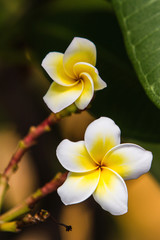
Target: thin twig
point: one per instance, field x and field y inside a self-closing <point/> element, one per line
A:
<point x="29" y="220"/>
<point x="27" y="142"/>
<point x="28" y="204"/>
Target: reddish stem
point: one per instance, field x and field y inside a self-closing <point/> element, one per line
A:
<point x="28" y="141"/>
<point x="28" y="204"/>
<point x="46" y="189"/>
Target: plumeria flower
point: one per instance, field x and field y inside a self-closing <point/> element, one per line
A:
<point x="74" y="74"/>
<point x="99" y="165"/>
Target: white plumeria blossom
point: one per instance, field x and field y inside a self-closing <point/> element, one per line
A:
<point x="74" y="74"/>
<point x="99" y="165"/>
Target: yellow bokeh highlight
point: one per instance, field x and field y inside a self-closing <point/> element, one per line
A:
<point x="18" y="189"/>
<point x="143" y="218"/>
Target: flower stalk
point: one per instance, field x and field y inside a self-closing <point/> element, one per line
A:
<point x="28" y="220"/>
<point x="27" y="142"/>
<point x="28" y="204"/>
<point x="9" y="227"/>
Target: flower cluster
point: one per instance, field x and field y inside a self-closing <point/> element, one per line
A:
<point x="99" y="164"/>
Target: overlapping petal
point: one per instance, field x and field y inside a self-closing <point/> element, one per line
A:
<point x="80" y="67"/>
<point x="128" y="160"/>
<point x="59" y="97"/>
<point x="74" y="157"/>
<point x="78" y="187"/>
<point x="69" y="70"/>
<point x="100" y="136"/>
<point x="53" y="64"/>
<point x="79" y="50"/>
<point x="111" y="192"/>
<point x="87" y="93"/>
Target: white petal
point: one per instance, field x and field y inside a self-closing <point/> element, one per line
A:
<point x="128" y="160"/>
<point x="74" y="157"/>
<point x="59" y="97"/>
<point x="111" y="192"/>
<point x="87" y="93"/>
<point x="92" y="71"/>
<point x="53" y="64"/>
<point x="78" y="187"/>
<point x="79" y="50"/>
<point x="99" y="84"/>
<point x="100" y="136"/>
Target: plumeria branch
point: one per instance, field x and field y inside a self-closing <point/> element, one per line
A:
<point x="28" y="220"/>
<point x="26" y="143"/>
<point x="28" y="204"/>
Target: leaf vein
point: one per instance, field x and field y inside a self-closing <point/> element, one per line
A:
<point x="152" y="70"/>
<point x="137" y="60"/>
<point x="145" y="21"/>
<point x="151" y="54"/>
<point x="139" y="9"/>
<point x="146" y="36"/>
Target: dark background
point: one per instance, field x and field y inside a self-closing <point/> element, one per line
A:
<point x="29" y="30"/>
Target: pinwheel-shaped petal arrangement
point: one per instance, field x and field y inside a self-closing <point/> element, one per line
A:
<point x="99" y="165"/>
<point x="74" y="74"/>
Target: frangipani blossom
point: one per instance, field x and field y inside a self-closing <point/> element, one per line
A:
<point x="99" y="165"/>
<point x="74" y="74"/>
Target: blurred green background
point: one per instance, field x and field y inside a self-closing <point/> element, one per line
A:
<point x="29" y="30"/>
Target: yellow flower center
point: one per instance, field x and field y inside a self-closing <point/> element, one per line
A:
<point x="100" y="165"/>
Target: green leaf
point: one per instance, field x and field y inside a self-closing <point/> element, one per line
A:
<point x="140" y="24"/>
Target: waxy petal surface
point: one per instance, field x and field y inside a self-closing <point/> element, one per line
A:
<point x="100" y="136"/>
<point x="53" y="64"/>
<point x="111" y="192"/>
<point x="78" y="187"/>
<point x="74" y="157"/>
<point x="87" y="93"/>
<point x="79" y="50"/>
<point x="128" y="160"/>
<point x="59" y="97"/>
<point x="92" y="71"/>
